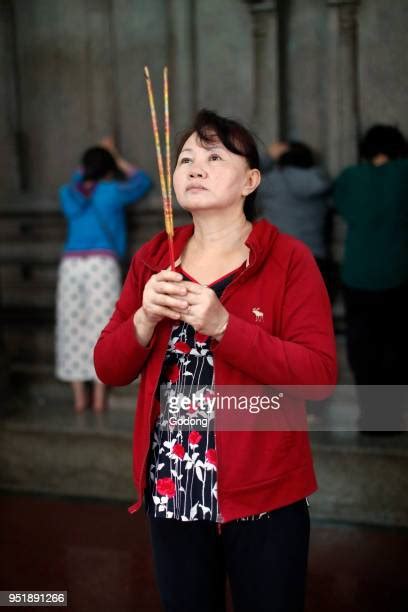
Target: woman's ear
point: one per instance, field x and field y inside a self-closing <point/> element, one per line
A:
<point x="252" y="181"/>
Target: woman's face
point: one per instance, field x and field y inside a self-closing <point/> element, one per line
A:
<point x="209" y="177"/>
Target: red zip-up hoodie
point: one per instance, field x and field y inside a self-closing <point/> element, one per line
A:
<point x="292" y="344"/>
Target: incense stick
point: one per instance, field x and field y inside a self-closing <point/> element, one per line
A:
<point x="165" y="188"/>
<point x="168" y="211"/>
<point x="167" y="132"/>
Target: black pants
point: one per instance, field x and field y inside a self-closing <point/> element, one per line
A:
<point x="328" y="272"/>
<point x="265" y="561"/>
<point x="377" y="334"/>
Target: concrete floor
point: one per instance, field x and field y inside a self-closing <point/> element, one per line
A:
<point x="101" y="556"/>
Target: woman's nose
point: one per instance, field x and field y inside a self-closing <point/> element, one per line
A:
<point x="196" y="171"/>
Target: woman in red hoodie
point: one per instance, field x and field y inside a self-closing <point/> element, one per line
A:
<point x="245" y="306"/>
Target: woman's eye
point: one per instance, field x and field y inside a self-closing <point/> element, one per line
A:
<point x="214" y="156"/>
<point x="185" y="160"/>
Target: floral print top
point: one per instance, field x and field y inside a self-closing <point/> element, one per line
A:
<point x="182" y="465"/>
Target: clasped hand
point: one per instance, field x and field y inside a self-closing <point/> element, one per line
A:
<point x="166" y="294"/>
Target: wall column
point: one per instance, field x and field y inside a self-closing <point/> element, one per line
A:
<point x="9" y="103"/>
<point x="266" y="70"/>
<point x="182" y="62"/>
<point x="342" y="84"/>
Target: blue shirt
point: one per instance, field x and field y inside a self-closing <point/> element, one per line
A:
<point x="97" y="221"/>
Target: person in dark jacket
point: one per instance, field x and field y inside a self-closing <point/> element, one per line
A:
<point x="246" y="305"/>
<point x="294" y="196"/>
<point x="372" y="197"/>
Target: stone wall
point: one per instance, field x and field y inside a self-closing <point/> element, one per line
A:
<point x="71" y="72"/>
<point x="383" y="62"/>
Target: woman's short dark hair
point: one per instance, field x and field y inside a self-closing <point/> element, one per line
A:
<point x="234" y="136"/>
<point x="298" y="155"/>
<point x="98" y="162"/>
<point x="383" y="139"/>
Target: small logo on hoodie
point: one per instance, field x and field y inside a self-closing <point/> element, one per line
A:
<point x="258" y="314"/>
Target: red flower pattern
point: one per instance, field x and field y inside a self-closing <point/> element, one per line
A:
<point x="178" y="450"/>
<point x="166" y="486"/>
<point x="182" y="346"/>
<point x="211" y="456"/>
<point x="191" y="409"/>
<point x="200" y="337"/>
<point x="194" y="437"/>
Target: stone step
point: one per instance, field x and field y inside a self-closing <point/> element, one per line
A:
<point x="362" y="479"/>
<point x="49" y="449"/>
<point x="39" y="379"/>
<point x="41" y="388"/>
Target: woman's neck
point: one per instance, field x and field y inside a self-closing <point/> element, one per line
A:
<point x="215" y="248"/>
<point x="220" y="235"/>
<point x="380" y="160"/>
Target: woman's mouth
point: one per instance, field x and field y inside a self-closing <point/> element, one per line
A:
<point x="196" y="188"/>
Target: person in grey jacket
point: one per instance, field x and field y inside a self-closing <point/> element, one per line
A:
<point x="294" y="195"/>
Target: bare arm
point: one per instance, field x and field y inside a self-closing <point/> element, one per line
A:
<point x="124" y="165"/>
